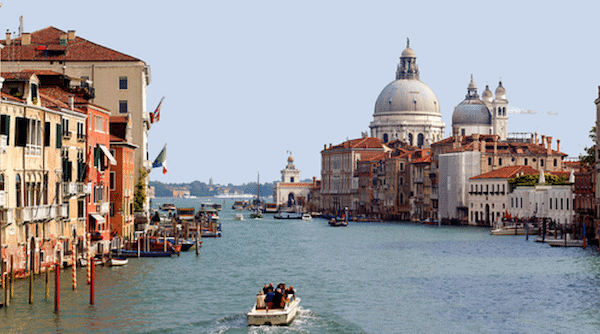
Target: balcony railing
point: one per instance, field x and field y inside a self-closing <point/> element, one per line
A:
<point x="103" y="208"/>
<point x="41" y="212"/>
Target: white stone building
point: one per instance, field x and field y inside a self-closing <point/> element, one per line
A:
<point x="543" y="201"/>
<point x="290" y="192"/>
<point x="407" y="109"/>
<point x="454" y="173"/>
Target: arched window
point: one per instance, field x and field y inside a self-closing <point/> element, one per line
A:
<point x="503" y="111"/>
<point x="410" y="139"/>
<point x="499" y="111"/>
<point x="525" y="161"/>
<point x="1" y="182"/>
<point x="18" y="190"/>
<point x="420" y="140"/>
<point x="385" y="137"/>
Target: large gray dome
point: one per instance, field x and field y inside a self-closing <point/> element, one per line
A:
<point x="407" y="95"/>
<point x="471" y="112"/>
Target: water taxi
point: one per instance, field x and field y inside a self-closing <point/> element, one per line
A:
<point x="238" y="216"/>
<point x="167" y="207"/>
<point x="306" y="216"/>
<point x="277" y="316"/>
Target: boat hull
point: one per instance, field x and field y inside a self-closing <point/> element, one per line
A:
<point x="274" y="316"/>
<point x="113" y="262"/>
<point x="134" y="253"/>
<point x="512" y="231"/>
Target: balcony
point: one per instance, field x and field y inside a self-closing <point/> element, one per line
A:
<point x="67" y="134"/>
<point x="2" y="197"/>
<point x="418" y="180"/>
<point x="103" y="208"/>
<point x="80" y="137"/>
<point x="69" y="189"/>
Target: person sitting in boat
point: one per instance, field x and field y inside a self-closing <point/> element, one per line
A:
<point x="278" y="300"/>
<point x="265" y="289"/>
<point x="269" y="299"/>
<point x="260" y="300"/>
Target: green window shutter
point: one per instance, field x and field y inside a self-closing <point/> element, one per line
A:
<point x="96" y="156"/>
<point x="47" y="134"/>
<point x="20" y="131"/>
<point x="5" y="127"/>
<point x="58" y="135"/>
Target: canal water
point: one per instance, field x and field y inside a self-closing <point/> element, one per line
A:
<point x="364" y="278"/>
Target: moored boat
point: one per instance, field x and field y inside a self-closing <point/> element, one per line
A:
<point x="515" y="231"/>
<point x="256" y="214"/>
<point x="134" y="253"/>
<point x="167" y="207"/>
<point x="114" y="262"/>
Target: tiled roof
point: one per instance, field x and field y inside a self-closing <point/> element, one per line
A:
<point x="295" y="184"/>
<point x="373" y="156"/>
<point x="366" y="142"/>
<point x="467" y="143"/>
<point x="45" y="46"/>
<point x="6" y="96"/>
<point x="507" y="172"/>
<point x="118" y="119"/>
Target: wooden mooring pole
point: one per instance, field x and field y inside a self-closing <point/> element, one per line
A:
<point x="57" y="288"/>
<point x="47" y="282"/>
<point x="91" y="264"/>
<point x="6" y="290"/>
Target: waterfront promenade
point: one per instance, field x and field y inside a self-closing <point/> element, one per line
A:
<point x="364" y="278"/>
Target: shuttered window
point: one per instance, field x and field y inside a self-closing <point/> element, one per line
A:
<point x="58" y="135"/>
<point x="5" y="127"/>
<point x="20" y="131"/>
<point x="47" y="134"/>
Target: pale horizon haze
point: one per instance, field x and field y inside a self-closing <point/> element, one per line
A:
<point x="247" y="81"/>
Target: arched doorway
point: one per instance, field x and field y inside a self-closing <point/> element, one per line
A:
<point x="291" y="199"/>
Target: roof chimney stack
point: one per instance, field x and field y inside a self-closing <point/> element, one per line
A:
<point x="71" y="102"/>
<point x="71" y="35"/>
<point x="549" y="148"/>
<point x="8" y="41"/>
<point x="543" y="141"/>
<point x="25" y="39"/>
<point x="558" y="145"/>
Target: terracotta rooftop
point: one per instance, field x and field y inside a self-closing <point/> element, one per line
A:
<point x="45" y="45"/>
<point x="366" y="142"/>
<point x="507" y="172"/>
<point x="467" y="143"/>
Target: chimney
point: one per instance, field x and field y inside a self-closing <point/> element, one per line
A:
<point x="558" y="145"/>
<point x="71" y="35"/>
<point x="543" y="143"/>
<point x="8" y="41"/>
<point x="482" y="146"/>
<point x="314" y="181"/>
<point x="71" y="102"/>
<point x="475" y="142"/>
<point x="535" y="138"/>
<point x="25" y="39"/>
<point x="549" y="140"/>
<point x="496" y="144"/>
<point x="324" y="146"/>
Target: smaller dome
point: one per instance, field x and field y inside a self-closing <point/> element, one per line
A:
<point x="408" y="53"/>
<point x="290" y="159"/>
<point x="472" y="85"/>
<point x="500" y="91"/>
<point x="486" y="96"/>
<point x="471" y="112"/>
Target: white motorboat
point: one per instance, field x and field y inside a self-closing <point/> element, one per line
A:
<point x="306" y="216"/>
<point x="238" y="216"/>
<point x="113" y="262"/>
<point x="278" y="316"/>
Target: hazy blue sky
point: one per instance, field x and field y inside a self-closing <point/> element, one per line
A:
<point x="246" y="81"/>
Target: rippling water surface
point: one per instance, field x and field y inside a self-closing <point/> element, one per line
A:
<point x="364" y="278"/>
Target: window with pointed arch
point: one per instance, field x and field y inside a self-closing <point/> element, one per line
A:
<point x="18" y="186"/>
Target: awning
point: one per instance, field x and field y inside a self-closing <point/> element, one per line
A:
<point x="110" y="157"/>
<point x="98" y="217"/>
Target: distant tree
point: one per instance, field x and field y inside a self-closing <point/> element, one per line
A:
<point x="589" y="158"/>
<point x="160" y="189"/>
<point x="139" y="197"/>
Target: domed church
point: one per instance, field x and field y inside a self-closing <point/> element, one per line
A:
<point x="481" y="116"/>
<point x="407" y="109"/>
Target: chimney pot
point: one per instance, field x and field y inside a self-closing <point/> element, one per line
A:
<point x="543" y="143"/>
<point x="549" y="140"/>
<point x="71" y="35"/>
<point x="558" y="145"/>
<point x="25" y="39"/>
<point x="9" y="41"/>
